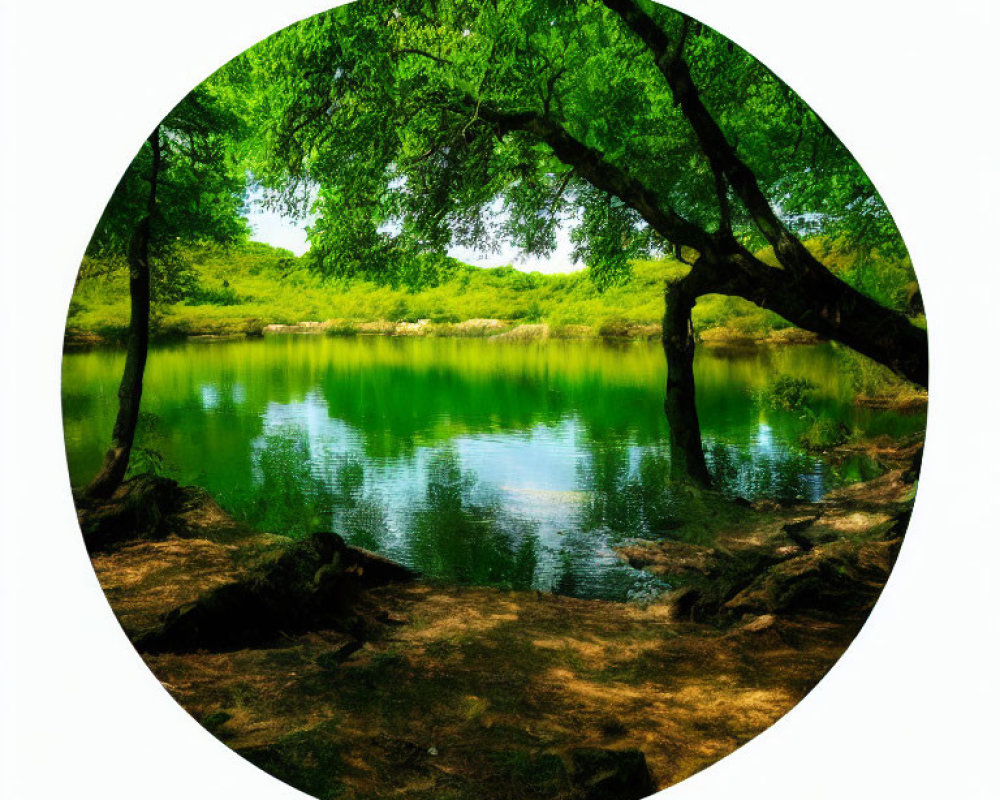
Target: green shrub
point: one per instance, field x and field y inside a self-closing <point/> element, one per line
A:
<point x="400" y="311"/>
<point x="224" y="295"/>
<point x="787" y="394"/>
<point x="825" y="433"/>
<point x="614" y="328"/>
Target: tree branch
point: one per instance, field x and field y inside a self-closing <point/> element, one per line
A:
<point x="602" y="174"/>
<point x="722" y="156"/>
<point x="725" y="213"/>
<point x="559" y="192"/>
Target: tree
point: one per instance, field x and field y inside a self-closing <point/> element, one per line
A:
<point x="181" y="187"/>
<point x="425" y="123"/>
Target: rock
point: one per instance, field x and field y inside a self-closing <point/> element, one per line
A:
<point x="683" y="602"/>
<point x="704" y="595"/>
<point x="197" y="515"/>
<point x="839" y="577"/>
<point x="377" y="328"/>
<point x="313" y="584"/>
<point x="726" y="337"/>
<point x="301" y="327"/>
<point x="759" y="624"/>
<point x="667" y="558"/>
<point x="478" y="327"/>
<point x="601" y="774"/>
<point x="216" y="337"/>
<point x="376" y="569"/>
<point x="792" y="336"/>
<point x="141" y="508"/>
<point x="418" y="328"/>
<point x="76" y="339"/>
<point x="524" y="333"/>
<point x="758" y="632"/>
<point x="795" y="530"/>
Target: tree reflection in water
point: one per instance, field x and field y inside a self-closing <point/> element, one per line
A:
<point x="462" y="535"/>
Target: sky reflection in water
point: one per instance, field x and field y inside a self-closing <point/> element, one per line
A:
<point x="515" y="465"/>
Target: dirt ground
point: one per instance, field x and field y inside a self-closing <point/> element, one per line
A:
<point x="466" y="685"/>
<point x="486" y="693"/>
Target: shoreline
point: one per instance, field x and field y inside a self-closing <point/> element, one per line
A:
<point x="719" y="339"/>
<point x="498" y="329"/>
<point x="465" y="691"/>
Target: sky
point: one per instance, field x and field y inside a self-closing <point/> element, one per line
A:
<point x="279" y="231"/>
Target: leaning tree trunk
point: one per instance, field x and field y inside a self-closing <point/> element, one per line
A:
<point x="687" y="456"/>
<point x="116" y="460"/>
<point x="814" y="300"/>
<point x="802" y="290"/>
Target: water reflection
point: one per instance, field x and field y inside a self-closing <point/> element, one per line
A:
<point x="629" y="491"/>
<point x="468" y="512"/>
<point x="763" y="467"/>
<point x="461" y="537"/>
<point x="472" y="461"/>
<point x="540" y="508"/>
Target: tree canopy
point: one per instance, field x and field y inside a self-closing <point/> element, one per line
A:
<point x="199" y="191"/>
<point x="425" y="123"/>
<point x="428" y="123"/>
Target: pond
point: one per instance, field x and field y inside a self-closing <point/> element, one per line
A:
<point x="509" y="464"/>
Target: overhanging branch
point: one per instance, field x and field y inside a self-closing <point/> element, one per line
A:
<point x="722" y="156"/>
<point x="591" y="165"/>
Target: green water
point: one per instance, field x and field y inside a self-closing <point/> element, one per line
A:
<point x="480" y="462"/>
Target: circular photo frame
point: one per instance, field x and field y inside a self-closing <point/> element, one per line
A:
<point x="491" y="400"/>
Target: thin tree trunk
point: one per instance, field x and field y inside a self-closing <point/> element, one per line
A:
<point x="116" y="460"/>
<point x="686" y="454"/>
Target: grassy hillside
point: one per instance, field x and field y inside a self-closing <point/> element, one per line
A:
<point x="245" y="288"/>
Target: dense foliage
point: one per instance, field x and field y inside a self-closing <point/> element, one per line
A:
<point x="241" y="288"/>
<point x="402" y="115"/>
<point x="199" y="195"/>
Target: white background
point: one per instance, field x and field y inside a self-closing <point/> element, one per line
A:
<point x="908" y="712"/>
